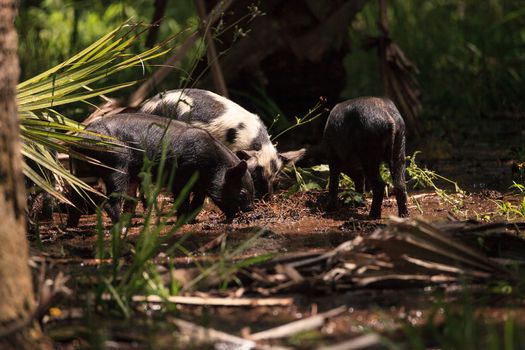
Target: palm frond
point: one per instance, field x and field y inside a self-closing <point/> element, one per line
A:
<point x="45" y="131"/>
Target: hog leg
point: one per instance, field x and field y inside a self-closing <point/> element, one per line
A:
<point x="333" y="188"/>
<point x="197" y="201"/>
<point x="378" y="188"/>
<point x="400" y="190"/>
<point x="184" y="206"/>
<point x="130" y="203"/>
<point x="74" y="213"/>
<point x="358" y="178"/>
<point x="116" y="184"/>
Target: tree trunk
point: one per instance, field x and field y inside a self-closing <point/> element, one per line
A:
<point x="291" y="56"/>
<point x="16" y="291"/>
<point x="160" y="9"/>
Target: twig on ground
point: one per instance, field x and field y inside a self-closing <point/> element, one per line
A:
<point x="295" y="327"/>
<point x="215" y="301"/>
<point x="360" y="342"/>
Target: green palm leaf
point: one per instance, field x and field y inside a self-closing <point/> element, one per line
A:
<point x="44" y="130"/>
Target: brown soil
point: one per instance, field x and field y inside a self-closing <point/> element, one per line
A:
<point x="292" y="223"/>
<point x="288" y="224"/>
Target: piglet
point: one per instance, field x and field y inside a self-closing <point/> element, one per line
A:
<point x="241" y="131"/>
<point x="221" y="174"/>
<point x="359" y="135"/>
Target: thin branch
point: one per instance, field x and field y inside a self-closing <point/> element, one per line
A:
<point x="215" y="301"/>
<point x="160" y="9"/>
<point x="145" y="89"/>
<point x="295" y="327"/>
<point x="216" y="72"/>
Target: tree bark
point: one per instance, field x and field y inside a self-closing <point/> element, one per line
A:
<point x="213" y="58"/>
<point x="160" y="9"/>
<point x="16" y="291"/>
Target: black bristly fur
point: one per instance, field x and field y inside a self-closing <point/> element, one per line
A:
<point x="359" y="135"/>
<point x="221" y="174"/>
<point x="234" y="126"/>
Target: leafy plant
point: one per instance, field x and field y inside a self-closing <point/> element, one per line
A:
<point x="313" y="113"/>
<point x="139" y="275"/>
<point x="306" y="179"/>
<point x="425" y="178"/>
<point x="44" y="130"/>
<point x="509" y="210"/>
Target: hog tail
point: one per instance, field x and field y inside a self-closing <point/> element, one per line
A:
<point x="391" y="142"/>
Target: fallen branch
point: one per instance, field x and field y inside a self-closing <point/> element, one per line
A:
<point x="217" y="241"/>
<point x="214" y="301"/>
<point x="209" y="335"/>
<point x="295" y="327"/>
<point x="360" y="342"/>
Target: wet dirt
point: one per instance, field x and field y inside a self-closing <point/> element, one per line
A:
<point x="296" y="223"/>
<point x="288" y="223"/>
<point x="476" y="156"/>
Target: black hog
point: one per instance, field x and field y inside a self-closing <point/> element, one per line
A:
<point x="241" y="131"/>
<point x="359" y="135"/>
<point x="221" y="174"/>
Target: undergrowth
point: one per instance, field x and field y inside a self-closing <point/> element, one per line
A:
<point x="317" y="178"/>
<point x="461" y="325"/>
<point x="510" y="210"/>
<point x="134" y="270"/>
<point x="424" y="178"/>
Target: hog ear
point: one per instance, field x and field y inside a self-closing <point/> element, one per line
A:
<point x="289" y="158"/>
<point x="252" y="164"/>
<point x="237" y="171"/>
<point x="249" y="157"/>
<point x="245" y="154"/>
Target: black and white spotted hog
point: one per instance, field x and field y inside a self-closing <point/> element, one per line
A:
<point x="241" y="131"/>
<point x="359" y="135"/>
<point x="221" y="174"/>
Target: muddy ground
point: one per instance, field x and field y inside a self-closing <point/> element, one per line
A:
<point x="477" y="157"/>
<point x="291" y="223"/>
<point x="288" y="224"/>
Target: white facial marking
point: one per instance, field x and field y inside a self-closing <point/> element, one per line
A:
<point x="265" y="157"/>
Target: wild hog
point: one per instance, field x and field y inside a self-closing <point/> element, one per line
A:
<point x="359" y="135"/>
<point x="241" y="131"/>
<point x="221" y="174"/>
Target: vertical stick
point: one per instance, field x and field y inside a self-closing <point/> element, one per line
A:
<point x="160" y="9"/>
<point x="216" y="72"/>
<point x="160" y="74"/>
<point x="383" y="35"/>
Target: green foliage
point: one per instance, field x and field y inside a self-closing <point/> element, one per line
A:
<point x="317" y="178"/>
<point x="44" y="129"/>
<point x="462" y="326"/>
<point x="510" y="210"/>
<point x="467" y="52"/>
<point x="425" y="178"/>
<point x="306" y="179"/>
<point x="51" y="30"/>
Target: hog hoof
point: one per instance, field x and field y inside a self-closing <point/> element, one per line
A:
<point x="332" y="206"/>
<point x="374" y="216"/>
